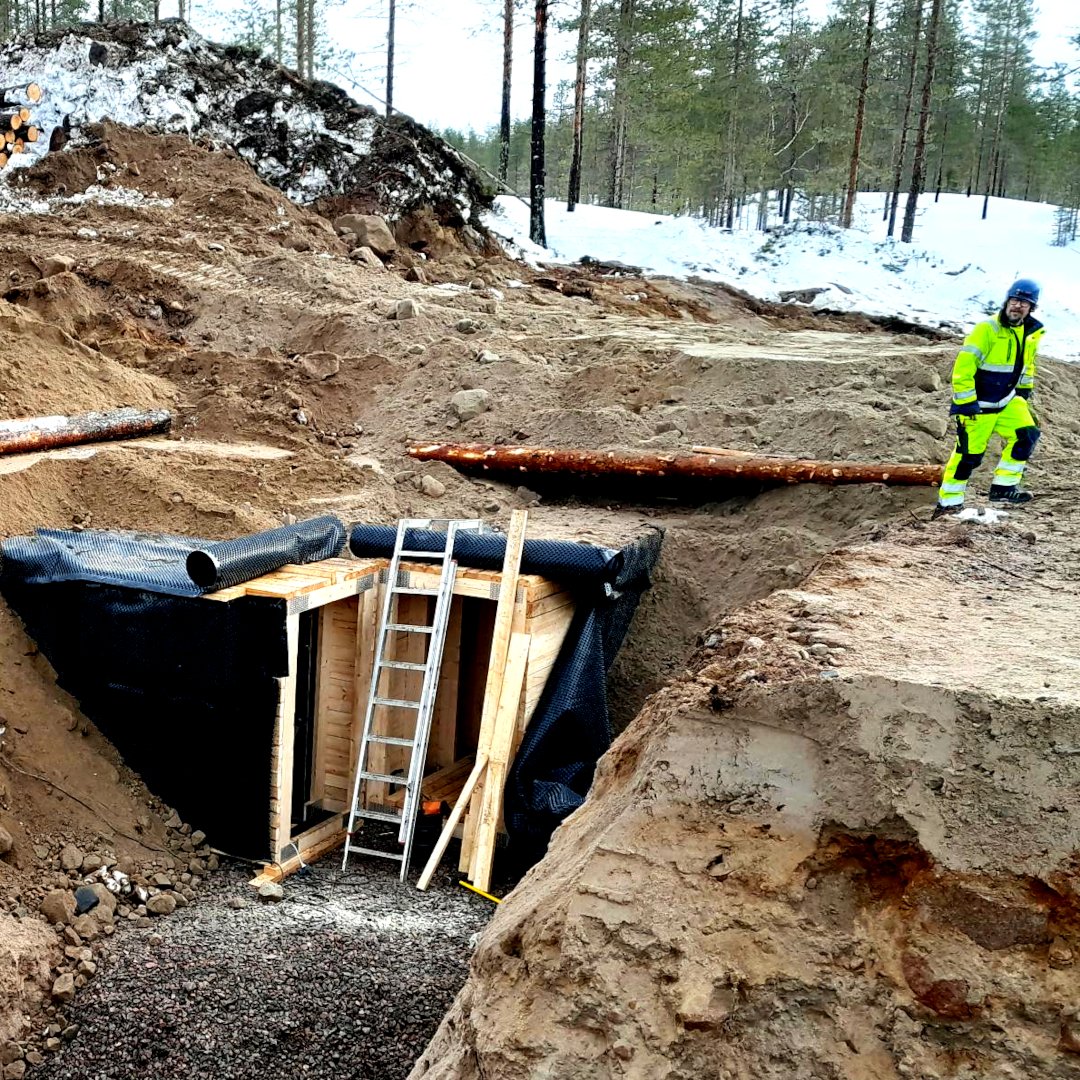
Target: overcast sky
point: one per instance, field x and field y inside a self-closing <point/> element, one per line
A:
<point x="448" y="70"/>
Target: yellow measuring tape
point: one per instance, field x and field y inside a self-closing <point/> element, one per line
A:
<point x="480" y="892"/>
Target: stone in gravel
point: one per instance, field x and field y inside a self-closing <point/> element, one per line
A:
<point x="468" y="326"/>
<point x="366" y="257"/>
<point x="69" y="1032"/>
<point x="78" y="952"/>
<point x="162" y="881"/>
<point x="198" y="837"/>
<point x="91" y="863"/>
<point x="370" y="230"/>
<point x="162" y="904"/>
<point x="9" y="1052"/>
<point x="212" y="862"/>
<point x="71" y="858"/>
<point x="173" y="821"/>
<point x="58" y="906"/>
<point x="486" y="356"/>
<point x="86" y="967"/>
<point x="57" y="264"/>
<point x="15" y="1071"/>
<point x="41" y="851"/>
<point x="819" y="650"/>
<point x="144" y="921"/>
<point x="52" y="1044"/>
<point x="432" y="487"/>
<point x="271" y="891"/>
<point x="469" y="404"/>
<point x="89" y="926"/>
<point x="7" y="841"/>
<point x="406" y="309"/>
<point x="416" y="273"/>
<point x="64" y="988"/>
<point x="33" y="1057"/>
<point x="71" y="936"/>
<point x="85" y="899"/>
<point x="237" y="903"/>
<point x="319" y="365"/>
<point x="196" y="866"/>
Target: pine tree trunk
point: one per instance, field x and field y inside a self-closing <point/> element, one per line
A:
<point x="733" y="121"/>
<point x="913" y="63"/>
<point x="941" y="157"/>
<point x="504" y="118"/>
<point x="618" y="137"/>
<point x="390" y="59"/>
<point x="310" y="38"/>
<point x="537" y="233"/>
<point x="301" y="36"/>
<point x="860" y="113"/>
<point x="918" y="165"/>
<point x="574" y="193"/>
<point x="278" y="43"/>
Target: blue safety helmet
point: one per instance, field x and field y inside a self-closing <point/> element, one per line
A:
<point x="1024" y="289"/>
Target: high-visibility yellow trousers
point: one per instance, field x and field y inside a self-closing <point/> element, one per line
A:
<point x="1016" y="427"/>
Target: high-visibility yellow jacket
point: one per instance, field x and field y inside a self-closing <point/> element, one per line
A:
<point x="996" y="363"/>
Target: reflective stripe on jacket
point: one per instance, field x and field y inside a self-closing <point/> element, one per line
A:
<point x="986" y="369"/>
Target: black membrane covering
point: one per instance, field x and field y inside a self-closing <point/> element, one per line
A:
<point x="184" y="688"/>
<point x="569" y="730"/>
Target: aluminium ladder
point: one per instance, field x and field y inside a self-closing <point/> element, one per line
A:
<point x="423" y="707"/>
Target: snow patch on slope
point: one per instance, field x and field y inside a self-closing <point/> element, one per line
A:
<point x="955" y="273"/>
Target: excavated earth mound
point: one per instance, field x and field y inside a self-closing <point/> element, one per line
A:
<point x="844" y="845"/>
<point x="308" y="138"/>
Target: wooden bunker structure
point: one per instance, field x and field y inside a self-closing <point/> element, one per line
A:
<point x="243" y="708"/>
<point x="331" y="611"/>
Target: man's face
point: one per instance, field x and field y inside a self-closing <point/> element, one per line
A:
<point x="1016" y="311"/>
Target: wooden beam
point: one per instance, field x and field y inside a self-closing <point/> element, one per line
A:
<point x="502" y="744"/>
<point x="505" y="613"/>
<point x="452" y="823"/>
<point x="311" y="845"/>
<point x="284" y="736"/>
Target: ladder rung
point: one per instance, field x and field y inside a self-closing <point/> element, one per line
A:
<point x="377" y="815"/>
<point x="352" y="849"/>
<point x="408" y="591"/>
<point x="402" y="665"/>
<point x="398" y="703"/>
<point x="391" y="740"/>
<point x="426" y="554"/>
<point x="410" y="626"/>
<point x="397" y="781"/>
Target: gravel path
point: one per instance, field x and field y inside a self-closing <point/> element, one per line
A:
<point x="347" y="978"/>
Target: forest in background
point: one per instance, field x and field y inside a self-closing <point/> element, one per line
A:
<point x="729" y="110"/>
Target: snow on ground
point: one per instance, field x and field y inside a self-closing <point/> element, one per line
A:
<point x="955" y="272"/>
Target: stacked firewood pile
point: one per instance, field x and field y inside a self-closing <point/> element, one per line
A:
<point x="17" y="117"/>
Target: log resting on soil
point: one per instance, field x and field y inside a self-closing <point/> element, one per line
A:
<point x="718" y="465"/>
<point x="52" y="432"/>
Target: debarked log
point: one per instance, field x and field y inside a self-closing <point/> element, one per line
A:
<point x="52" y="432"/>
<point x="731" y="466"/>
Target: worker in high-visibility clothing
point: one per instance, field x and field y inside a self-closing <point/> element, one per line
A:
<point x="992" y="380"/>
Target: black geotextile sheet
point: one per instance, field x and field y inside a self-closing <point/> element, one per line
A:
<point x="569" y="730"/>
<point x="186" y="689"/>
<point x="172" y="565"/>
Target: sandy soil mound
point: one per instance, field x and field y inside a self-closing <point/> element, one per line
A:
<point x="836" y="848"/>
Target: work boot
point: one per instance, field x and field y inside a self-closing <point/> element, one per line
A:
<point x="945" y="511"/>
<point x="1009" y="494"/>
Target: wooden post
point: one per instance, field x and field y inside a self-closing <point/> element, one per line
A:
<point x="502" y="741"/>
<point x="452" y="822"/>
<point x="500" y="645"/>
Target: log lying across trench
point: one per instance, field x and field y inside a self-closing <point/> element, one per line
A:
<point x="712" y="464"/>
<point x="52" y="432"/>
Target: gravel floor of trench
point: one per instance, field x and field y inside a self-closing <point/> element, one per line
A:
<point x="346" y="978"/>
